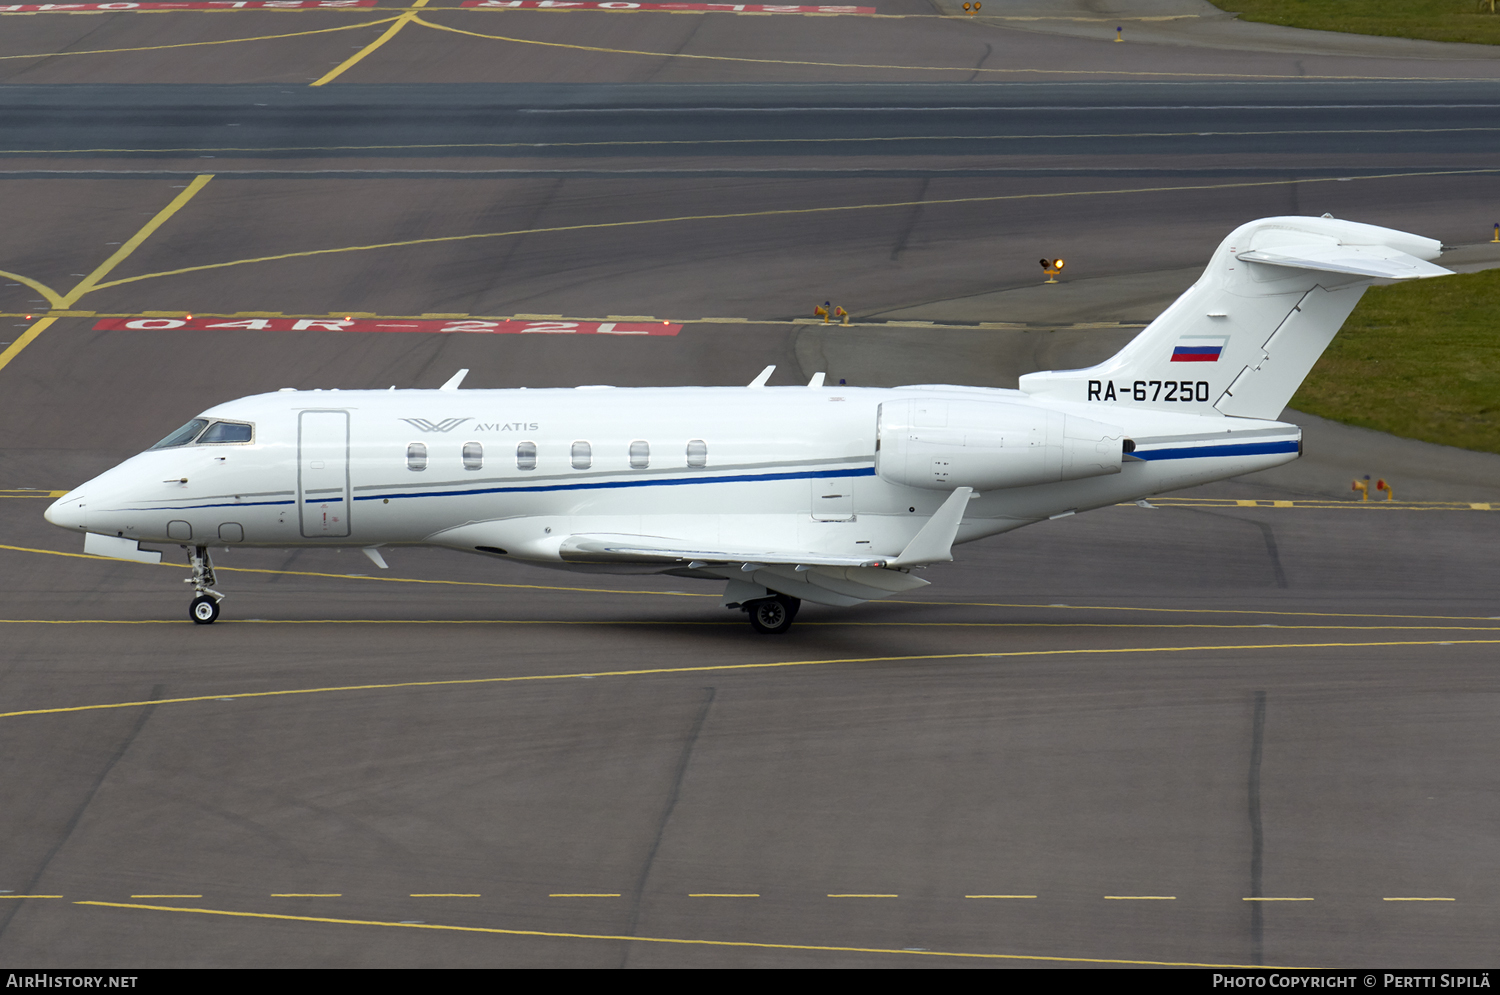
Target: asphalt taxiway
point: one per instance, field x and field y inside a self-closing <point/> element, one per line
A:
<point x="1250" y="725"/>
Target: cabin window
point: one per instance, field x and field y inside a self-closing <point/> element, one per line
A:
<point x="526" y="456"/>
<point x="183" y="435"/>
<point x="697" y="453"/>
<point x="221" y="432"/>
<point x="473" y="456"/>
<point x="416" y="456"/>
<point x="640" y="454"/>
<point x="583" y="455"/>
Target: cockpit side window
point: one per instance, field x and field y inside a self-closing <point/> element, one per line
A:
<point x="221" y="432"/>
<point x="183" y="435"/>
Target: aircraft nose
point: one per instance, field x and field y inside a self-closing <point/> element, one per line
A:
<point x="68" y="511"/>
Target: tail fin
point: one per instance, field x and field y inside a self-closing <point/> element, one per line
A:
<point x="1241" y="340"/>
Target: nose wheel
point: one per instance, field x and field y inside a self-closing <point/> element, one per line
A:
<point x="773" y="616"/>
<point x="205" y="605"/>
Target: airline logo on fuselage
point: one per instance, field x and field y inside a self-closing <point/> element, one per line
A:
<point x="449" y="424"/>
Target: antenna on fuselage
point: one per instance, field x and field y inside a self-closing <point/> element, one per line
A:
<point x="765" y="375"/>
<point x="455" y="380"/>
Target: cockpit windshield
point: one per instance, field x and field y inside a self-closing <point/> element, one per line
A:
<point x="219" y="433"/>
<point x="183" y="435"/>
<point x="226" y="431"/>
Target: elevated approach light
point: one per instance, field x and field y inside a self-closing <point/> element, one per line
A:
<point x="1052" y="267"/>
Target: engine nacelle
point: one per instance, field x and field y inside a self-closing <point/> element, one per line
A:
<point x="987" y="445"/>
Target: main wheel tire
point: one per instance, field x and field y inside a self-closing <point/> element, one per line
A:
<point x="203" y="610"/>
<point x="773" y="616"/>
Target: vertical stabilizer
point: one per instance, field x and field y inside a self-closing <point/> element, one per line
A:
<point x="1242" y="339"/>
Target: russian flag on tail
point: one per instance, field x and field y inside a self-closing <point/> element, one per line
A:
<point x="1199" y="348"/>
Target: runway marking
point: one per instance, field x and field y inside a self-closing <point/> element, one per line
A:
<point x="711" y="668"/>
<point x="1141" y="898"/>
<point x="432" y="895"/>
<point x="25" y="492"/>
<point x="196" y="44"/>
<point x="297" y="894"/>
<point x="1276" y="899"/>
<point x="607" y="622"/>
<point x="91" y="282"/>
<point x="354" y="59"/>
<point x="1410" y="899"/>
<point x="627" y="5"/>
<point x="585" y="895"/>
<point x="1323" y="504"/>
<point x="860" y="65"/>
<point x="219" y="150"/>
<point x="52" y="296"/>
<point x="36" y="896"/>
<point x="689" y="594"/>
<point x="862" y="896"/>
<point x="114" y="8"/>
<point x="446" y="326"/>
<point x="716" y="894"/>
<point x="991" y="896"/>
<point x="166" y="896"/>
<point x="780" y="212"/>
<point x="673" y="940"/>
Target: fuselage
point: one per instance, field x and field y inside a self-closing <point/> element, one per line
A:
<point x="515" y="472"/>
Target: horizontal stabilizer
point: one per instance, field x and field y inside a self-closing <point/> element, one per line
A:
<point x="1378" y="261"/>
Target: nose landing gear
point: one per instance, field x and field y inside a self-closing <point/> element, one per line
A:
<point x="772" y="616"/>
<point x="205" y="606"/>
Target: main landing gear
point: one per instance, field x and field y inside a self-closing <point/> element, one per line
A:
<point x="774" y="615"/>
<point x="205" y="606"/>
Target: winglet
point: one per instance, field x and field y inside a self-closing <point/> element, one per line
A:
<point x="934" y="544"/>
<point x="455" y="380"/>
<point x="765" y="375"/>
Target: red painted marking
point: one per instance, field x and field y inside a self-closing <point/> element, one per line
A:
<point x="764" y="8"/>
<point x="446" y="326"/>
<point x="189" y="5"/>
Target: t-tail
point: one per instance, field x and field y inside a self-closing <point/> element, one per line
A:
<point x="1241" y="340"/>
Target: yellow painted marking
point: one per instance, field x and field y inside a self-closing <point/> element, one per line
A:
<point x="816" y="140"/>
<point x="437" y="894"/>
<point x="862" y="65"/>
<point x="1481" y="506"/>
<point x="1281" y="504"/>
<point x="195" y="44"/>
<point x="1183" y="611"/>
<point x="999" y="896"/>
<point x="663" y="939"/>
<point x="1242" y="504"/>
<point x="52" y="296"/>
<point x="709" y="668"/>
<point x="584" y="895"/>
<point x="91" y="282"/>
<point x="388" y="580"/>
<point x="994" y="198"/>
<point x="1141" y="898"/>
<point x="166" y="896"/>
<point x="298" y="894"/>
<point x="863" y="896"/>
<point x="1419" y="899"/>
<point x="717" y="894"/>
<point x="1323" y="503"/>
<point x="31" y="493"/>
<point x="390" y="33"/>
<point x="59" y="896"/>
<point x="1276" y="899"/>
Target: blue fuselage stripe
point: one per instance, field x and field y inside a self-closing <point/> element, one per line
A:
<point x="1203" y="452"/>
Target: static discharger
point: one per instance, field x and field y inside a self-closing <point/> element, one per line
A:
<point x="1052" y="267"/>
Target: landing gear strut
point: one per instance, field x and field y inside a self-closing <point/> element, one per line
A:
<point x="205" y="606"/>
<point x="772" y="616"/>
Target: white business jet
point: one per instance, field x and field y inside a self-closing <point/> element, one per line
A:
<point x="826" y="494"/>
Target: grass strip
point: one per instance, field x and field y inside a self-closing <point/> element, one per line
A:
<point x="1433" y="20"/>
<point x="1419" y="360"/>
